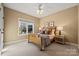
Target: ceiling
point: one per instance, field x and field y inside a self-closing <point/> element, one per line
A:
<point x="31" y="8"/>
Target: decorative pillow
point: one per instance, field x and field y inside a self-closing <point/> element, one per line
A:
<point x="53" y="32"/>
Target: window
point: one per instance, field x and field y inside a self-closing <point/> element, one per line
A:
<point x="25" y="27"/>
<point x="22" y="27"/>
<point x="30" y="28"/>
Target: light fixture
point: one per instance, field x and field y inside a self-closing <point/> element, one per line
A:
<point x="39" y="12"/>
<point x="40" y="9"/>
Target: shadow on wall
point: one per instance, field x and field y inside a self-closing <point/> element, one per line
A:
<point x="70" y="33"/>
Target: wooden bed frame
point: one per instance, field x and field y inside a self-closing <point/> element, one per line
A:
<point x="42" y="40"/>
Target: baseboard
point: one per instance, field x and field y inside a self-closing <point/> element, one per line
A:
<point x="71" y="44"/>
<point x="15" y="41"/>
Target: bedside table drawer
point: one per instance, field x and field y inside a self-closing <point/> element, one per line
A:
<point x="59" y="39"/>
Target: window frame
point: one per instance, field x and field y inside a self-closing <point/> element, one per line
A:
<point x="27" y="23"/>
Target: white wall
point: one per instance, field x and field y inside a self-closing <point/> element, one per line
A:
<point x="1" y="26"/>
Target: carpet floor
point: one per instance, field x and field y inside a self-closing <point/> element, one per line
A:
<point x="28" y="49"/>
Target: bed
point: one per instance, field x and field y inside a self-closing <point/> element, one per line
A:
<point x="42" y="40"/>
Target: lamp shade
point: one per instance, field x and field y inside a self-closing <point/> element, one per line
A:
<point x="40" y="28"/>
<point x="60" y="28"/>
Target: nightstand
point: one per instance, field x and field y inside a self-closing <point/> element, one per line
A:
<point x="59" y="39"/>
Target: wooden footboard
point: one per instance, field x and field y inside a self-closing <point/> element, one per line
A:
<point x="33" y="38"/>
<point x="41" y="40"/>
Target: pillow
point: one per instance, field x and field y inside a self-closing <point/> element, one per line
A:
<point x="53" y="32"/>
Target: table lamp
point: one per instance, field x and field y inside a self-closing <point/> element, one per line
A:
<point x="59" y="28"/>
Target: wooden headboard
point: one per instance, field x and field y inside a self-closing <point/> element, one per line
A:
<point x="49" y="30"/>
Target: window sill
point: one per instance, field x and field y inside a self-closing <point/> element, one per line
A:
<point x="22" y="34"/>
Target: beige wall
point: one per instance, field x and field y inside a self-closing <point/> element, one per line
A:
<point x="11" y="24"/>
<point x="68" y="19"/>
<point x="78" y="26"/>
